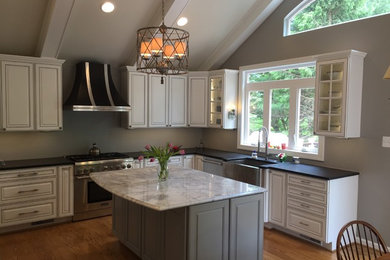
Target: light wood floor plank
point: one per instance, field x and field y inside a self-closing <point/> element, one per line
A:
<point x="93" y="240"/>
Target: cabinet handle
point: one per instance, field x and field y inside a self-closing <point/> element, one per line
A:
<point x="82" y="177"/>
<point x="27" y="174"/>
<point x="212" y="162"/>
<point x="303" y="224"/>
<point x="28" y="213"/>
<point x="305" y="194"/>
<point x="305" y="206"/>
<point x="26" y="191"/>
<point x="305" y="182"/>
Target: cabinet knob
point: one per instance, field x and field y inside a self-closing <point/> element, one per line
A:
<point x="188" y="125"/>
<point x="60" y="128"/>
<point x="166" y="125"/>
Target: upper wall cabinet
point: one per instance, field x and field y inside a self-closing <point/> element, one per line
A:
<point x="167" y="101"/>
<point x="223" y="85"/>
<point x="31" y="93"/>
<point x="135" y="90"/>
<point x="197" y="98"/>
<point x="339" y="84"/>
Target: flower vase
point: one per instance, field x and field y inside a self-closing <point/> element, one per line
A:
<point x="162" y="171"/>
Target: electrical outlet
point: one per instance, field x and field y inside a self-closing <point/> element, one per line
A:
<point x="386" y="141"/>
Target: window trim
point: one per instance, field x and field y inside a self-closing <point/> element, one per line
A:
<point x="245" y="88"/>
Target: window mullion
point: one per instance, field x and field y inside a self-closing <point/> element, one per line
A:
<point x="293" y="120"/>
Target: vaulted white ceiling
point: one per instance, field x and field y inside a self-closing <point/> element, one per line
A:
<point x="78" y="30"/>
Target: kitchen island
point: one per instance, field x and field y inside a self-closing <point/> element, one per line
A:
<point x="192" y="215"/>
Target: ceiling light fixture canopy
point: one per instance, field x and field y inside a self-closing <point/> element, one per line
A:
<point x="162" y="50"/>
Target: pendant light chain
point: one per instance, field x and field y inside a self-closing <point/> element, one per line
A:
<point x="163" y="11"/>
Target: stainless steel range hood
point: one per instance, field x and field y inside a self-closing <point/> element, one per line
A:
<point x="94" y="90"/>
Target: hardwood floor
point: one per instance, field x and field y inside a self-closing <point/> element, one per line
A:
<point x="92" y="239"/>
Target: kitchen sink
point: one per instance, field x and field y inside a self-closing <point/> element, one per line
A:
<point x="253" y="162"/>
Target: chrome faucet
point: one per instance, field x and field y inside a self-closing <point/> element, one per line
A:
<point x="265" y="131"/>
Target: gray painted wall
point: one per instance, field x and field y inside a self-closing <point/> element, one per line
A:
<point x="81" y="129"/>
<point x="364" y="154"/>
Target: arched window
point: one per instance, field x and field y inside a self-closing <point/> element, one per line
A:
<point x="316" y="14"/>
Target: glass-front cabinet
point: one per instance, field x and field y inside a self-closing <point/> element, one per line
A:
<point x="223" y="86"/>
<point x="339" y="94"/>
<point x="216" y="94"/>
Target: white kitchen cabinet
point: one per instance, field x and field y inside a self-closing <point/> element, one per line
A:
<point x="277" y="197"/>
<point x="222" y="106"/>
<point x="17" y="96"/>
<point x="188" y="161"/>
<point x="35" y="194"/>
<point x="158" y="101"/>
<point x="198" y="163"/>
<point x="177" y="102"/>
<point x="21" y="109"/>
<point x="135" y="90"/>
<point x="197" y="98"/>
<point x="167" y="101"/>
<point x="48" y="105"/>
<point x="339" y="82"/>
<point x="65" y="190"/>
<point x="313" y="207"/>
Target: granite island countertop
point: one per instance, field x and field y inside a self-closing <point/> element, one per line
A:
<point x="184" y="187"/>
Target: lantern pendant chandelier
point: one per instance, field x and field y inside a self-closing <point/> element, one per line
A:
<point x="162" y="50"/>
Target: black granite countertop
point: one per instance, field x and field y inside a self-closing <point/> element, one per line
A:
<point x="31" y="163"/>
<point x="217" y="154"/>
<point x="308" y="170"/>
<point x="311" y="170"/>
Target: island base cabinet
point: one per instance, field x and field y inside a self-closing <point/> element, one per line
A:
<point x="225" y="229"/>
<point x="208" y="232"/>
<point x="246" y="227"/>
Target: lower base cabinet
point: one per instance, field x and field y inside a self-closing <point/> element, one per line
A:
<point x="226" y="229"/>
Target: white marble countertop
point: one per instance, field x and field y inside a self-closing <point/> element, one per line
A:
<point x="184" y="187"/>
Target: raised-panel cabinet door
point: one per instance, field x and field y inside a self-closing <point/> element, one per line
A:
<point x="138" y="100"/>
<point x="277" y="198"/>
<point x="188" y="161"/>
<point x="197" y="102"/>
<point x="177" y="101"/>
<point x="246" y="227"/>
<point x="158" y="106"/>
<point x="208" y="231"/>
<point x="48" y="97"/>
<point x="17" y="96"/>
<point x="65" y="191"/>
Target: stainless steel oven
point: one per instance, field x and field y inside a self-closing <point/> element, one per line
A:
<point x="90" y="200"/>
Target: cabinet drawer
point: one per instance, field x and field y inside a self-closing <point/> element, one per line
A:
<point x="177" y="160"/>
<point x="25" y="213"/>
<point x="307" y="182"/>
<point x="308" y="207"/>
<point x="306" y="195"/>
<point x="33" y="189"/>
<point x="28" y="174"/>
<point x="306" y="224"/>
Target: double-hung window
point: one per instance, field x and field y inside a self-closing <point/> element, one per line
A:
<point x="280" y="98"/>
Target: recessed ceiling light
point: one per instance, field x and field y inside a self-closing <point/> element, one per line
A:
<point x="108" y="7"/>
<point x="182" y="21"/>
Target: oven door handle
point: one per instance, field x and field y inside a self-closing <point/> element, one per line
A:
<point x="82" y="177"/>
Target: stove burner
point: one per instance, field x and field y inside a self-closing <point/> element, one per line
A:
<point x="102" y="156"/>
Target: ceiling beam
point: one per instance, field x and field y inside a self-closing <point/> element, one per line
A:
<point x="173" y="8"/>
<point x="53" y="28"/>
<point x="238" y="35"/>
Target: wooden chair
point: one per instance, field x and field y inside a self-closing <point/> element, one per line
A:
<point x="359" y="240"/>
